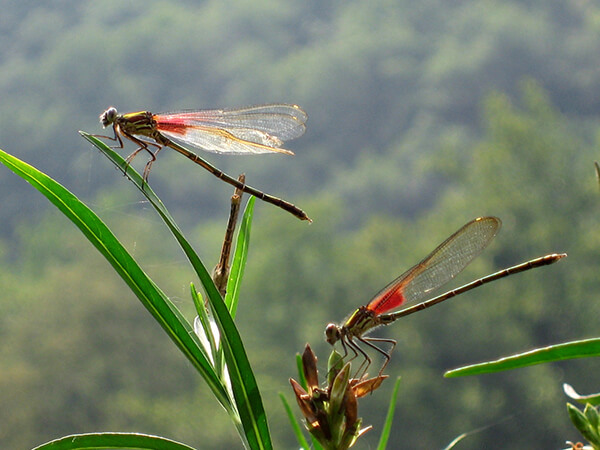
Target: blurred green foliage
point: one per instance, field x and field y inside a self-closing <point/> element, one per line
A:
<point x="422" y="116"/>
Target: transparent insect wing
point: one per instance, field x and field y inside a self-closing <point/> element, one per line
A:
<point x="253" y="130"/>
<point x="439" y="267"/>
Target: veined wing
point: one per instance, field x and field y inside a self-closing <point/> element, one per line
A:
<point x="256" y="129"/>
<point x="218" y="140"/>
<point x="439" y="267"/>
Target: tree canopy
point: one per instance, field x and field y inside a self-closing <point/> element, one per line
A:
<point x="422" y="116"/>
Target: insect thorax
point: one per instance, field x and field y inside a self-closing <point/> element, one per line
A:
<point x="141" y="123"/>
<point x="360" y="322"/>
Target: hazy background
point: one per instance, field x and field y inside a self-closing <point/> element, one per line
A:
<point x="422" y="116"/>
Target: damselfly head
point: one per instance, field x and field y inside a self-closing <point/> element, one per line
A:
<point x="332" y="333"/>
<point x="108" y="117"/>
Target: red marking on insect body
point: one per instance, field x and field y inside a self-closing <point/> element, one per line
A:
<point x="174" y="125"/>
<point x="387" y="301"/>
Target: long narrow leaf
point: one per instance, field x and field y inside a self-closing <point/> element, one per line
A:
<point x="239" y="259"/>
<point x="246" y="393"/>
<point x="569" y="350"/>
<point x="205" y="324"/>
<point x="153" y="299"/>
<point x="245" y="389"/>
<point x="236" y="272"/>
<point x="300" y="368"/>
<point x="114" y="441"/>
<point x="387" y="427"/>
<point x="294" y="423"/>
<point x="158" y="205"/>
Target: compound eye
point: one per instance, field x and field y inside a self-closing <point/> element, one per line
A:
<point x="108" y="117"/>
<point x="332" y="333"/>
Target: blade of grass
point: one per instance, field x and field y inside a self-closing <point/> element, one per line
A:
<point x="158" y="205"/>
<point x="300" y="368"/>
<point x="236" y="271"/>
<point x="153" y="299"/>
<point x="245" y="389"/>
<point x="238" y="264"/>
<point x="387" y="427"/>
<point x="112" y="440"/>
<point x="206" y="326"/>
<point x="243" y="382"/>
<point x="569" y="350"/>
<point x="294" y="423"/>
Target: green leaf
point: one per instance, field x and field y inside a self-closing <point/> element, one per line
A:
<point x="247" y="396"/>
<point x="569" y="350"/>
<point x="245" y="389"/>
<point x="158" y="205"/>
<point x="335" y="363"/>
<point x="581" y="423"/>
<point x="153" y="299"/>
<point x="294" y="423"/>
<point x="336" y="399"/>
<point x="240" y="256"/>
<point x="113" y="441"/>
<point x="300" y="368"/>
<point x="592" y="416"/>
<point x="249" y="405"/>
<point x="387" y="427"/>
<point x="207" y="329"/>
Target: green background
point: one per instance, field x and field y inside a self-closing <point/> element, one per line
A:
<point x="422" y="116"/>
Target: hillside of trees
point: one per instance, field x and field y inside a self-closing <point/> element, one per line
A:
<point x="422" y="116"/>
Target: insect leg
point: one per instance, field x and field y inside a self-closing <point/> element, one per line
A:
<point x="387" y="355"/>
<point x="364" y="366"/>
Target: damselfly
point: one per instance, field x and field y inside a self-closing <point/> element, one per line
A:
<point x="439" y="267"/>
<point x="253" y="130"/>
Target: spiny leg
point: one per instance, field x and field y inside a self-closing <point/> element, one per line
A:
<point x="115" y="137"/>
<point x="148" y="165"/>
<point x="364" y="366"/>
<point x="348" y="344"/>
<point x="143" y="145"/>
<point x="345" y="343"/>
<point x="387" y="355"/>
